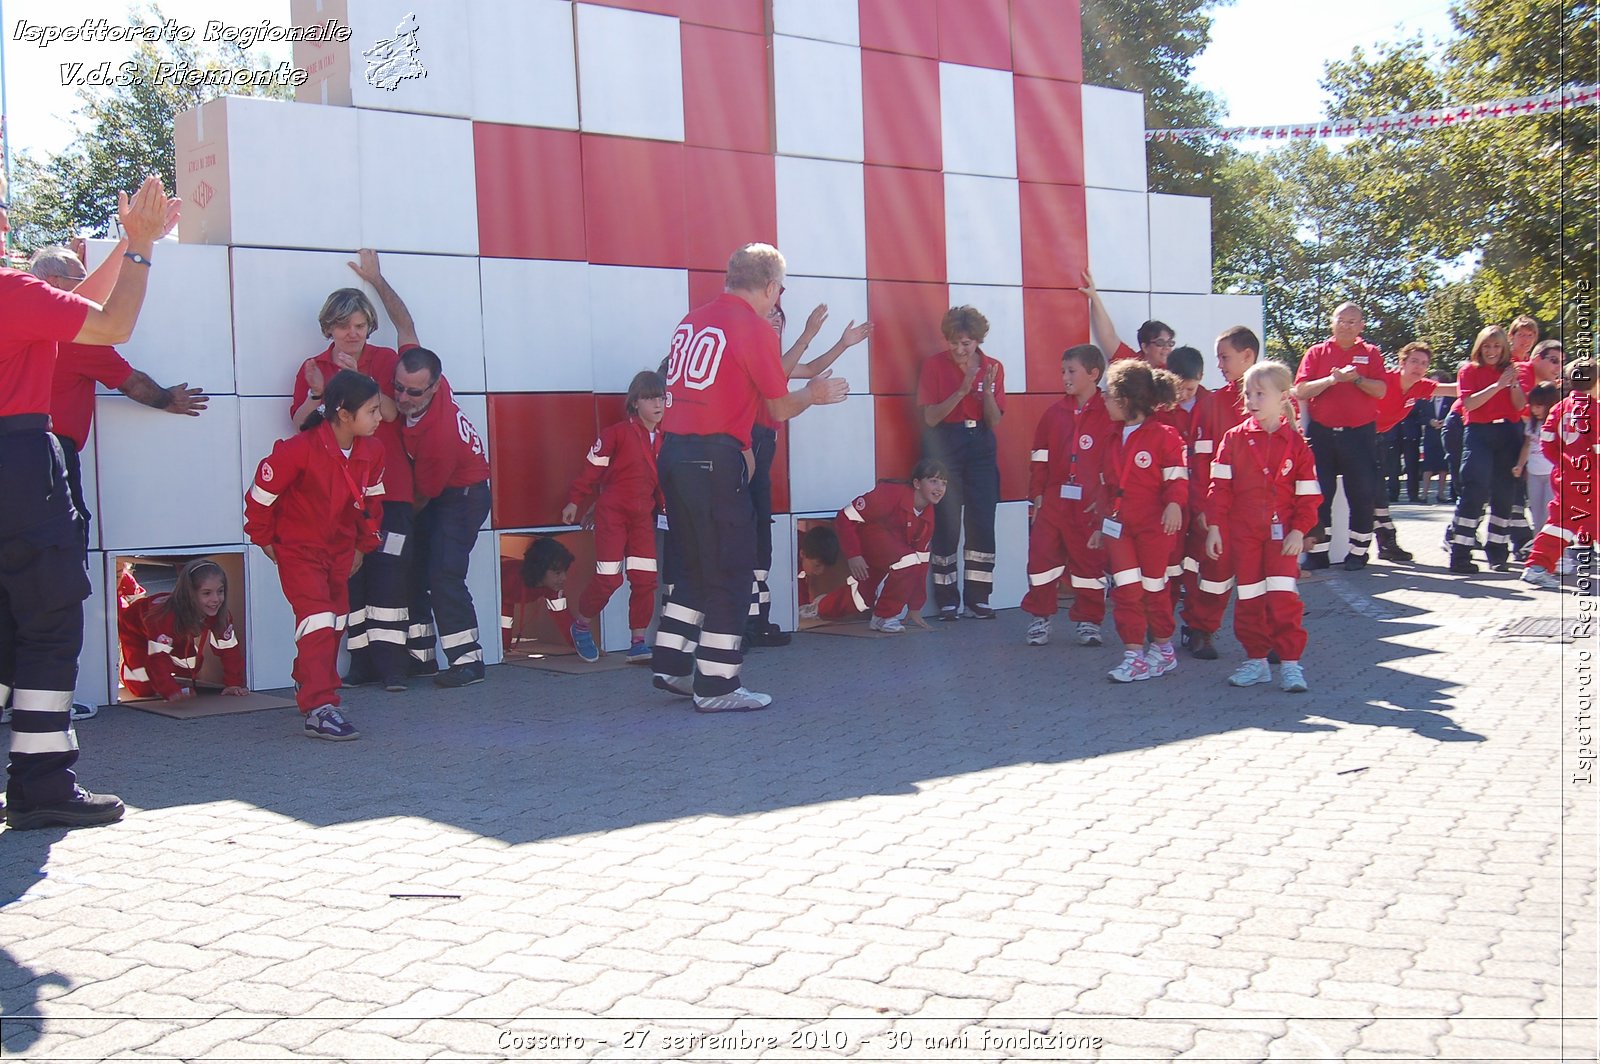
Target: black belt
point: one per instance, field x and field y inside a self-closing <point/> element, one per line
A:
<point x="715" y="439"/>
<point x="14" y="423"/>
<point x="465" y="488"/>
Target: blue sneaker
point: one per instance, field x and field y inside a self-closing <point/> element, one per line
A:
<point x="326" y="722"/>
<point x="639" y="653"/>
<point x="583" y="640"/>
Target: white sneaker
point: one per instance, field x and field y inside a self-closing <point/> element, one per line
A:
<point x="743" y="700"/>
<point x="1038" y="631"/>
<point x="808" y="612"/>
<point x="891" y="625"/>
<point x="678" y="685"/>
<point x="1088" y="634"/>
<point x="1253" y="671"/>
<point x="1161" y="658"/>
<point x="1294" y="678"/>
<point x="1539" y="576"/>
<point x="1568" y="565"/>
<point x="83" y="710"/>
<point x="1133" y="668"/>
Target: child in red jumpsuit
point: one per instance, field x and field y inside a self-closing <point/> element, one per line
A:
<point x="621" y="468"/>
<point x="164" y="637"/>
<point x="1064" y="483"/>
<point x="315" y="507"/>
<point x="541" y="576"/>
<point x="1262" y="504"/>
<point x="1571" y="443"/>
<point x="1146" y="482"/>
<point x="884" y="536"/>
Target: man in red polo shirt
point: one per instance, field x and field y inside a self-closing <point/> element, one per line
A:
<point x="1339" y="384"/>
<point x="450" y="489"/>
<point x="724" y="365"/>
<point x="44" y="574"/>
<point x="80" y="366"/>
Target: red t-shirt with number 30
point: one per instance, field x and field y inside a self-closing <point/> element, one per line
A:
<point x="725" y="363"/>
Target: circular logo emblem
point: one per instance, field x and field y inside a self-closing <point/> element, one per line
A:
<point x="1288" y="466"/>
<point x="266" y="473"/>
<point x="1570" y="430"/>
<point x="1142" y="459"/>
<point x="861" y="502"/>
<point x="1085" y="442"/>
<point x="667" y="401"/>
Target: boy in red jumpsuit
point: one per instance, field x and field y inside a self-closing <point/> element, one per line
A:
<point x="316" y="502"/>
<point x="1064" y="484"/>
<point x="884" y="536"/>
<point x="1571" y="443"/>
<point x="1263" y="503"/>
<point x="621" y="469"/>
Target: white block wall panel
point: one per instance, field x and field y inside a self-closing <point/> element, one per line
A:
<point x="785" y="612"/>
<point x="443" y="51"/>
<point x="419" y="191"/>
<point x="1010" y="555"/>
<point x="817" y="87"/>
<point x="1180" y="243"/>
<point x="245" y="177"/>
<point x="982" y="230"/>
<point x="476" y="407"/>
<point x="1230" y="310"/>
<point x="1190" y="318"/>
<point x="483" y="581"/>
<point x="831" y="452"/>
<point x="524" y="67"/>
<point x="632" y="312"/>
<point x="1128" y="311"/>
<point x="1002" y="305"/>
<point x="824" y="20"/>
<point x="169" y="481"/>
<point x="822" y="217"/>
<point x="185" y="327"/>
<point x="1119" y="239"/>
<point x="268" y="626"/>
<point x="441" y="291"/>
<point x="87" y="465"/>
<point x="846" y="300"/>
<point x="1113" y="139"/>
<point x="977" y="119"/>
<point x="98" y="657"/>
<point x="263" y="421"/>
<point x="277" y="295"/>
<point x="630" y="73"/>
<point x="536" y="325"/>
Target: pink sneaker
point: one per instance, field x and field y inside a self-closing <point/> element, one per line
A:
<point x="1133" y="668"/>
<point x="1161" y="659"/>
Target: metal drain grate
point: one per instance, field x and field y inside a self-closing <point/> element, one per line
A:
<point x="1535" y="628"/>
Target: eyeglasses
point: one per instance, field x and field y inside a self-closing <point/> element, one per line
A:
<point x="1163" y="343"/>
<point x="415" y="393"/>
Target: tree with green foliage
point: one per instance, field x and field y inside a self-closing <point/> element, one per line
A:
<point x="126" y="133"/>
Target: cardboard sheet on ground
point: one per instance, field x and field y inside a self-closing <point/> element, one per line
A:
<point x="860" y="629"/>
<point x="558" y="657"/>
<point x="214" y="704"/>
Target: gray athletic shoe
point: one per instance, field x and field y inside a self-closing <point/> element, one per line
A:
<point x="743" y="700"/>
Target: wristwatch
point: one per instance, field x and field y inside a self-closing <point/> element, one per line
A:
<point x="136" y="257"/>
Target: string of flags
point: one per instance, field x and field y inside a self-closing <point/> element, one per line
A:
<point x="1443" y="117"/>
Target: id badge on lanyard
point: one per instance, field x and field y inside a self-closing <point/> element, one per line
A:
<point x="1111" y="528"/>
<point x="1072" y="491"/>
<point x="356" y="494"/>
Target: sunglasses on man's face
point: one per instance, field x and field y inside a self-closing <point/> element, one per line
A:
<point x="415" y="393"/>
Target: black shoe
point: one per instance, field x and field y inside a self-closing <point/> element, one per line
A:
<point x="394" y="683"/>
<point x="1186" y="635"/>
<point x="1391" y="551"/>
<point x="949" y="614"/>
<point x="1501" y="566"/>
<point x="423" y="668"/>
<point x="358" y="678"/>
<point x="1200" y="646"/>
<point x="84" y="810"/>
<point x="769" y="635"/>
<point x="981" y="611"/>
<point x="461" y="675"/>
<point x="1317" y="559"/>
<point x="1352" y="562"/>
<point x="1461" y="562"/>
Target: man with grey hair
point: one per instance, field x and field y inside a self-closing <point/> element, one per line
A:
<point x="1340" y="382"/>
<point x="724" y="365"/>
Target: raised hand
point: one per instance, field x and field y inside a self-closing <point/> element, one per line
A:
<point x="187" y="400"/>
<point x="826" y="389"/>
<point x="367" y="268"/>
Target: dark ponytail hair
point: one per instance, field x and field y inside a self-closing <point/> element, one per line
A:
<point x="183" y="604"/>
<point x="348" y="390"/>
<point x="1141" y="390"/>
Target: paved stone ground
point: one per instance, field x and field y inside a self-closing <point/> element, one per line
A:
<point x="950" y="837"/>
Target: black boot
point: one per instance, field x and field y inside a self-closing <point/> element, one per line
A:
<point x="1461" y="560"/>
<point x="1389" y="548"/>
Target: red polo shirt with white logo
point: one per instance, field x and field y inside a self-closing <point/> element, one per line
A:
<point x="725" y="364"/>
<point x="1342" y="406"/>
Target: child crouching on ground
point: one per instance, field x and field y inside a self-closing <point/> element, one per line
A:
<point x="541" y="576"/>
<point x="884" y="537"/>
<point x="1262" y="504"/>
<point x="1146" y="483"/>
<point x="165" y="637"/>
<point x="621" y="469"/>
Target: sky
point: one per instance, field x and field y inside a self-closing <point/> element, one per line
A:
<point x="1264" y="61"/>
